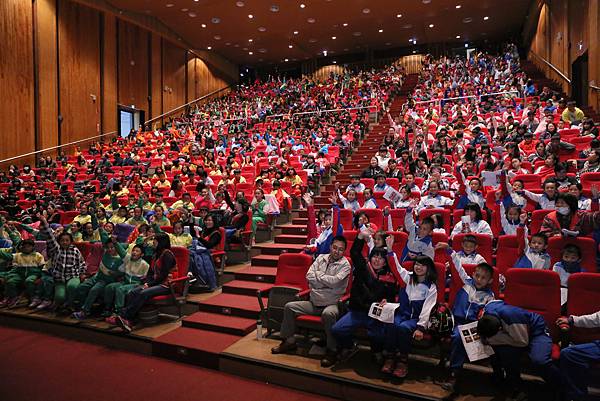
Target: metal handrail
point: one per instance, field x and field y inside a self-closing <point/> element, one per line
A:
<point x="57" y="147"/>
<point x="549" y="64"/>
<point x="187" y="104"/>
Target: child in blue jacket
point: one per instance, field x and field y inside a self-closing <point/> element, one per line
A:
<point x="417" y="298"/>
<point x="532" y="253"/>
<point x="511" y="331"/>
<point x="475" y="293"/>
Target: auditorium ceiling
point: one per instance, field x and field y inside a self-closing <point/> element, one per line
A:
<point x="256" y="32"/>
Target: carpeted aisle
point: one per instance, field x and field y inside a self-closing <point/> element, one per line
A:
<point x="38" y="367"/>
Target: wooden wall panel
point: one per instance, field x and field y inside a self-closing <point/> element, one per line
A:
<point x="209" y="80"/>
<point x="133" y="65"/>
<point x="79" y="76"/>
<point x="156" y="68"/>
<point x="323" y="73"/>
<point x="191" y="80"/>
<point x="109" y="74"/>
<point x="17" y="115"/>
<point x="174" y="85"/>
<point x="47" y="124"/>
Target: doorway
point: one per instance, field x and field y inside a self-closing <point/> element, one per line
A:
<point x="579" y="80"/>
<point x="129" y="119"/>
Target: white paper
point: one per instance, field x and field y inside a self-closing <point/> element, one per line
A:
<point x="392" y="195"/>
<point x="466" y="219"/>
<point x="383" y="313"/>
<point x="475" y="349"/>
<point x="491" y="178"/>
<point x="564" y="292"/>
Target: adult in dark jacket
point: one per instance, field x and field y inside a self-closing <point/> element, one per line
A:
<point x="372" y="281"/>
<point x="161" y="267"/>
<point x="373" y="170"/>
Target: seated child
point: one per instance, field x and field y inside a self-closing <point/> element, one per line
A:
<point x="469" y="255"/>
<point x="532" y="254"/>
<point x="509" y="216"/>
<point x="475" y="293"/>
<point x="26" y="270"/>
<point x="417" y="298"/>
<point x="370" y="202"/>
<point x="419" y="237"/>
<point x="570" y="263"/>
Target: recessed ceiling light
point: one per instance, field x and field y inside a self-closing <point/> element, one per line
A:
<point x="262" y="29"/>
<point x="250" y="53"/>
<point x="325" y="53"/>
<point x="302" y="6"/>
<point x="398" y="15"/>
<point x="209" y="47"/>
<point x="237" y="3"/>
<point x="245" y="49"/>
<point x="414" y="51"/>
<point x="250" y="40"/>
<point x="334" y="37"/>
<point x="311" y="20"/>
<point x="407" y="26"/>
<point x="192" y="14"/>
<point x="366" y="10"/>
<point x="467" y="20"/>
<point x="203" y="25"/>
<point x="431" y="25"/>
<point x="286" y="60"/>
<point x="215" y="20"/>
<point x="345" y="24"/>
<point x="185" y="10"/>
<point x="457" y="36"/>
<point x="290" y="46"/>
<point x="466" y="45"/>
<point x="486" y="18"/>
<point x="426" y="1"/>
<point x="169" y="5"/>
<point x="312" y="40"/>
<point x="388" y="43"/>
<point x="262" y="50"/>
<point x="295" y="32"/>
<point x="236" y="45"/>
<point x="228" y="44"/>
<point x="334" y="62"/>
<point x="250" y="16"/>
<point x="274" y="8"/>
<point x="458" y="6"/>
<point x="217" y="37"/>
<point x="381" y="31"/>
<point x="356" y="33"/>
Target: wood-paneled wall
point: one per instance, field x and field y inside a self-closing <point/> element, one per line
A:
<point x="566" y="29"/>
<point x="79" y="71"/>
<point x="17" y="114"/>
<point x="64" y="61"/>
<point x="133" y="65"/>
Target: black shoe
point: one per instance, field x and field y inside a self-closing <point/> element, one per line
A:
<point x="450" y="383"/>
<point x="347" y="353"/>
<point x="328" y="360"/>
<point x="283" y="348"/>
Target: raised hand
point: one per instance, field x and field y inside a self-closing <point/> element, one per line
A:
<point x="333" y="198"/>
<point x="308" y="199"/>
<point x="498" y="195"/>
<point x="389" y="242"/>
<point x="523" y="218"/>
<point x="441" y="245"/>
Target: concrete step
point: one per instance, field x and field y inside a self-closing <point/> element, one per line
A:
<point x="232" y="304"/>
<point x="295" y="229"/>
<point x="234" y="325"/>
<point x="243" y="287"/>
<point x="278" y="248"/>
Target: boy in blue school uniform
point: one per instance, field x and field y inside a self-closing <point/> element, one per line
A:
<point x="511" y="331"/>
<point x="420" y="242"/>
<point x="475" y="293"/>
<point x="532" y="253"/>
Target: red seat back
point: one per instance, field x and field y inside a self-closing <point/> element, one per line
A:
<point x="530" y="181"/>
<point x="445" y="213"/>
<point x="375" y="216"/>
<point x="346" y="218"/>
<point x="94" y="257"/>
<point x="507" y="252"/>
<point x="537" y="291"/>
<point x="586" y="244"/>
<point x="182" y="257"/>
<point x="291" y="270"/>
<point x="584" y="299"/>
<point x="588" y="179"/>
<point x="400" y="240"/>
<point x="484" y="244"/>
<point x="397" y="216"/>
<point x="537" y="218"/>
<point x="369" y="182"/>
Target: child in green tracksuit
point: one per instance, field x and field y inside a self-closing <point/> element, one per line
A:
<point x="26" y="270"/>
<point x="135" y="269"/>
<point x="108" y="272"/>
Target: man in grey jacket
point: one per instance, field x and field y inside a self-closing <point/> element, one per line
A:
<point x="327" y="278"/>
